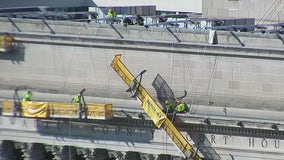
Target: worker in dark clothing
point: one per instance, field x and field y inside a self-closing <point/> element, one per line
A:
<point x="170" y="107"/>
<point x="127" y="21"/>
<point x="162" y="19"/>
<point x="17" y="105"/>
<point x="139" y="20"/>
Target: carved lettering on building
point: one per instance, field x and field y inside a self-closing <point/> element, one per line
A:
<point x="122" y="131"/>
<point x="277" y="143"/>
<point x="152" y="131"/>
<point x="129" y="132"/>
<point x="105" y="129"/>
<point x="225" y="139"/>
<point x="46" y="125"/>
<point x="213" y="139"/>
<point x="59" y="125"/>
<point x="140" y="131"/>
<point x="12" y="120"/>
<point x="117" y="130"/>
<point x="24" y="123"/>
<point x="202" y="138"/>
<point x="251" y="142"/>
<point x="264" y="143"/>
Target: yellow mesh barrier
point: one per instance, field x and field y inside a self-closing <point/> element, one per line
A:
<point x="62" y="109"/>
<point x="59" y="109"/>
<point x="7" y="107"/>
<point x="6" y="42"/>
<point x="100" y="111"/>
<point x="35" y="109"/>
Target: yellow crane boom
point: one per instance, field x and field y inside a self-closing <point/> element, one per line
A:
<point x="152" y="109"/>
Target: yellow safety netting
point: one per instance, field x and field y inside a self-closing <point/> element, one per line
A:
<point x="35" y="109"/>
<point x="58" y="109"/>
<point x="6" y="42"/>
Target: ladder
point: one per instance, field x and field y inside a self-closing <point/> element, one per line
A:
<point x="152" y="108"/>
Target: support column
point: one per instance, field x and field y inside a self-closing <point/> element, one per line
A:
<point x="119" y="155"/>
<point x="132" y="156"/>
<point x="151" y="157"/>
<point x="7" y="150"/>
<point x="164" y="157"/>
<point x="69" y="152"/>
<point x="87" y="154"/>
<point x="56" y="152"/>
<point x="100" y="154"/>
<point x="36" y="151"/>
<point x="1" y="157"/>
<point x="49" y="155"/>
<point x="19" y="153"/>
<point x="25" y="149"/>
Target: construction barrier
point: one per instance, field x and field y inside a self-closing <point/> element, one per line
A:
<point x="6" y="43"/>
<point x="35" y="109"/>
<point x="57" y="110"/>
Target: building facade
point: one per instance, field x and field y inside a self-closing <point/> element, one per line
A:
<point x="264" y="11"/>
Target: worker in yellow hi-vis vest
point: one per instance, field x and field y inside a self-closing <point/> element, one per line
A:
<point x="80" y="101"/>
<point x="76" y="99"/>
<point x="111" y="13"/>
<point x="181" y="107"/>
<point x="27" y="96"/>
<point x="112" y="16"/>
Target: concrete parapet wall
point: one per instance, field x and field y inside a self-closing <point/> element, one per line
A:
<point x="117" y="31"/>
<point x="86" y="135"/>
<point x="229" y="75"/>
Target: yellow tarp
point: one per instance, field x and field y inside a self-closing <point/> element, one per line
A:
<point x="58" y="109"/>
<point x="94" y="111"/>
<point x="63" y="109"/>
<point x="7" y="107"/>
<point x="100" y="111"/>
<point x="6" y="41"/>
<point x="35" y="109"/>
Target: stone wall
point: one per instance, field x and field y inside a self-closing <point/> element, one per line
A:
<point x="227" y="74"/>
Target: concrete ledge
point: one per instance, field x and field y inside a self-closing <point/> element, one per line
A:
<point x="150" y="45"/>
<point x="196" y="111"/>
<point x="138" y="32"/>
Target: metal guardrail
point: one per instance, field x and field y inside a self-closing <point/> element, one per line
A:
<point x="64" y="39"/>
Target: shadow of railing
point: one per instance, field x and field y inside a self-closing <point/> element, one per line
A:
<point x="94" y="130"/>
<point x="16" y="54"/>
